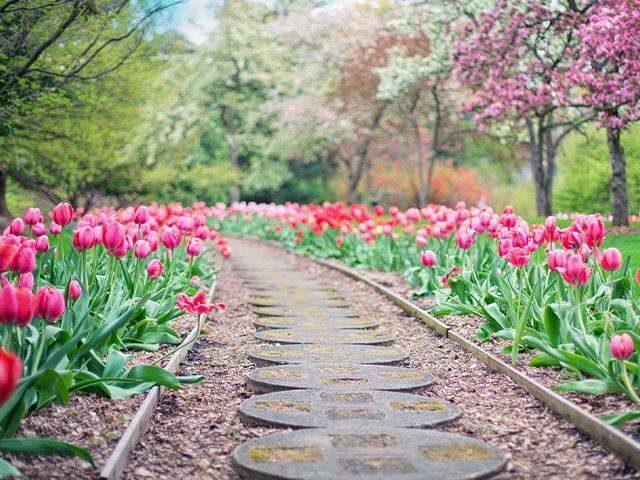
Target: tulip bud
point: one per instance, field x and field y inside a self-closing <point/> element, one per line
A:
<point x="170" y="238"/>
<point x="194" y="247"/>
<point x="49" y="304"/>
<point x="16" y="305"/>
<point x="42" y="244"/>
<point x="24" y="260"/>
<point x="113" y="236"/>
<point x="55" y="228"/>
<point x="10" y="372"/>
<point x="33" y="216"/>
<point x="428" y="258"/>
<point x="154" y="269"/>
<point x="621" y="346"/>
<point x="141" y="215"/>
<point x="63" y="214"/>
<point x="16" y="227"/>
<point x="39" y="229"/>
<point x="26" y="280"/>
<point x="83" y="238"/>
<point x="611" y="259"/>
<point x="142" y="249"/>
<point x="75" y="290"/>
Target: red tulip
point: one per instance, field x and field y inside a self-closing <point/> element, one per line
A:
<point x="142" y="249"/>
<point x="113" y="236"/>
<point x="75" y="290"/>
<point x="428" y="258"/>
<point x="24" y="261"/>
<point x="84" y="238"/>
<point x="42" y="244"/>
<point x="49" y="304"/>
<point x="339" y="241"/>
<point x="141" y="215"/>
<point x="621" y="346"/>
<point x="611" y="259"/>
<point x="10" y="372"/>
<point x="7" y="253"/>
<point x="16" y="305"/>
<point x="154" y="269"/>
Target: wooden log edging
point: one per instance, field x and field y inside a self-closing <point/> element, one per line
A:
<point x="608" y="436"/>
<point x="141" y="421"/>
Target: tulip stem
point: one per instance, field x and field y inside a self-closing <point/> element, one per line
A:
<point x="627" y="383"/>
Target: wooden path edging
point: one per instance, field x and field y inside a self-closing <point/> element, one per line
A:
<point x="141" y="421"/>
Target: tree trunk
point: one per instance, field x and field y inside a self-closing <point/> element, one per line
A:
<point x="619" y="197"/>
<point x="541" y="181"/>
<point x="358" y="169"/>
<point x="422" y="188"/>
<point x="227" y="117"/>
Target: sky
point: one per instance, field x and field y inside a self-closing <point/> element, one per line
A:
<point x="195" y="19"/>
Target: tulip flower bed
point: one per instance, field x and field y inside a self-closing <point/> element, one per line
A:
<point x="80" y="295"/>
<point x="553" y="293"/>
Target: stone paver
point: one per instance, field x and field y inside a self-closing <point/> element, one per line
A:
<point x="327" y="376"/>
<point x="283" y="354"/>
<point x="337" y="377"/>
<point x="367" y="453"/>
<point x="321" y="408"/>
<point x="325" y="336"/>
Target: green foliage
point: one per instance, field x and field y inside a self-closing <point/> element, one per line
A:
<point x="585" y="172"/>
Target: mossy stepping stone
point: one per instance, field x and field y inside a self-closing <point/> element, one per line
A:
<point x="293" y="302"/>
<point x="319" y="408"/>
<point x="284" y="354"/>
<point x="337" y="377"/>
<point x="308" y="311"/>
<point x="367" y="453"/>
<point x="324" y="336"/>
<point x="314" y="323"/>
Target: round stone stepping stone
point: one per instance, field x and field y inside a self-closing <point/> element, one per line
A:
<point x="324" y="336"/>
<point x="284" y="354"/>
<point x="337" y="377"/>
<point x="314" y="323"/>
<point x="296" y="288"/>
<point x="309" y="311"/>
<point x="310" y="301"/>
<point x="367" y="453"/>
<point x="319" y="408"/>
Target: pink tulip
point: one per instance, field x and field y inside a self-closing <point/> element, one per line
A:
<point x="75" y="290"/>
<point x="550" y="224"/>
<point x="42" y="244"/>
<point x="557" y="259"/>
<point x="142" y="249"/>
<point x="17" y="226"/>
<point x="339" y="241"/>
<point x="154" y="269"/>
<point x="621" y="346"/>
<point x="611" y="259"/>
<point x="49" y="304"/>
<point x="576" y="272"/>
<point x="518" y="257"/>
<point x="428" y="258"/>
<point x="203" y="232"/>
<point x="26" y="280"/>
<point x="113" y="236"/>
<point x="504" y="246"/>
<point x="16" y="305"/>
<point x="195" y="280"/>
<point x="84" y="238"/>
<point x="194" y="247"/>
<point x="24" y="260"/>
<point x="142" y="215"/>
<point x="63" y="214"/>
<point x="595" y="231"/>
<point x="33" y="216"/>
<point x="56" y="228"/>
<point x="39" y="229"/>
<point x="387" y="230"/>
<point x="170" y="238"/>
